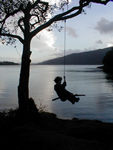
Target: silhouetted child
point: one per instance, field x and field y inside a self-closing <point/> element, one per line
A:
<point x="62" y="92"/>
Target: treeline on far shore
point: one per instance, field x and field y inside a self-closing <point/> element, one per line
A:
<point x="8" y="63"/>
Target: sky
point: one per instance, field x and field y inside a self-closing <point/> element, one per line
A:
<point x="90" y="31"/>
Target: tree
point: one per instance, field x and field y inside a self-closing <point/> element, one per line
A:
<point x="22" y="20"/>
<point x="108" y="62"/>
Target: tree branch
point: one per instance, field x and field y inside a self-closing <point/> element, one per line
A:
<point x="57" y="18"/>
<point x="19" y="24"/>
<point x="13" y="36"/>
<point x="79" y="8"/>
<point x="41" y="2"/>
<point x="64" y="16"/>
<point x="72" y="15"/>
<point x="100" y="1"/>
<point x="8" y="14"/>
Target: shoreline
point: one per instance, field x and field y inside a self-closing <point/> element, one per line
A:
<point x="45" y="131"/>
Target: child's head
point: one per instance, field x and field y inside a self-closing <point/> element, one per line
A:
<point x="58" y="79"/>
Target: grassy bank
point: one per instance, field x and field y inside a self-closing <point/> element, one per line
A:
<point x="45" y="131"/>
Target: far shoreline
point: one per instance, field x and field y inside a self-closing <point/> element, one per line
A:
<point x="8" y="63"/>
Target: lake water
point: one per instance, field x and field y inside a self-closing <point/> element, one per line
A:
<point x="88" y="80"/>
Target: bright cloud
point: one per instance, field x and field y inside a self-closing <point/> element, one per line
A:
<point x="44" y="39"/>
<point x="109" y="44"/>
<point x="43" y="45"/>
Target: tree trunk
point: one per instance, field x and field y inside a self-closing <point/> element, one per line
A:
<point x="23" y="88"/>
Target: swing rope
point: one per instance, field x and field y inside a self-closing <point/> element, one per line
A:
<point x="64" y="46"/>
<point x="65" y="38"/>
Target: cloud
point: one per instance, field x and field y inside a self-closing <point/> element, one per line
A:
<point x="104" y="26"/>
<point x="43" y="45"/>
<point x="99" y="42"/>
<point x="44" y="40"/>
<point x="71" y="31"/>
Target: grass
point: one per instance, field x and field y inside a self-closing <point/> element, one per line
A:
<point x="42" y="130"/>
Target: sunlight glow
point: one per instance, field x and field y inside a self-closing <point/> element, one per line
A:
<point x="51" y="40"/>
<point x="109" y="44"/>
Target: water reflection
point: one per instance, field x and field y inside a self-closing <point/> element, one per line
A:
<point x="8" y="87"/>
<point x="42" y="84"/>
<point x="88" y="80"/>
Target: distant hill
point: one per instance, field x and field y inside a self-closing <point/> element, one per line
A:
<point x="94" y="57"/>
<point x="8" y="63"/>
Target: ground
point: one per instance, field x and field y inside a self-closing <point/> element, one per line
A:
<point x="44" y="131"/>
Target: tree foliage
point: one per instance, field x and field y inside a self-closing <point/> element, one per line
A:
<point x="13" y="15"/>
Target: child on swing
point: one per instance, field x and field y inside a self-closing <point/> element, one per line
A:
<point x="62" y="92"/>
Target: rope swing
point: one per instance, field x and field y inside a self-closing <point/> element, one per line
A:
<point x="59" y="87"/>
<point x="65" y="39"/>
<point x="64" y="47"/>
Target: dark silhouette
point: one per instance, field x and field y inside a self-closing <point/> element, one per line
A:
<point x="38" y="10"/>
<point x="8" y="63"/>
<point x="108" y="62"/>
<point x="94" y="57"/>
<point x="62" y="92"/>
<point x="46" y="131"/>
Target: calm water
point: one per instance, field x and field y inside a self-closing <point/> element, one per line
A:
<point x="97" y="104"/>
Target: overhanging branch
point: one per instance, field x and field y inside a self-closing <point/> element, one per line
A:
<point x="72" y="15"/>
<point x="13" y="36"/>
<point x="59" y="17"/>
<point x="100" y="1"/>
<point x="68" y="14"/>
